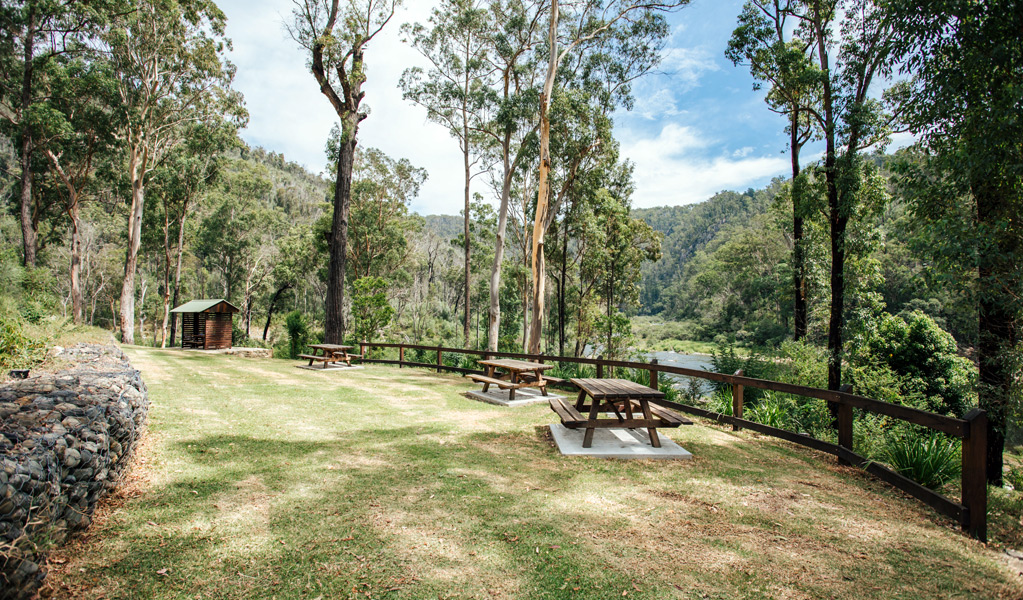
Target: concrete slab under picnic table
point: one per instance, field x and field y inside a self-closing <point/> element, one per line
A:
<point x="617" y="443"/>
<point x="523" y="396"/>
<point x="330" y="367"/>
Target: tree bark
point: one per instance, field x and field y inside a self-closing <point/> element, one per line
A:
<point x="468" y="245"/>
<point x="166" y="276"/>
<point x="76" y="261"/>
<point x="334" y="326"/>
<point x="539" y="267"/>
<point x="270" y="309"/>
<point x="177" y="270"/>
<point x="494" y="328"/>
<point x="798" y="251"/>
<point x="28" y="228"/>
<point x="136" y="169"/>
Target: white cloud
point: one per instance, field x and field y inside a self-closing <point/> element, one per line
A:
<point x="672" y="168"/>
<point x="742" y="152"/>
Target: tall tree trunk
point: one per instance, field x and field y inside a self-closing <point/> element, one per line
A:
<point x="798" y="251"/>
<point x="28" y="228"/>
<point x="76" y="261"/>
<point x="494" y="329"/>
<point x="539" y="267"/>
<point x="177" y="269"/>
<point x="468" y="245"/>
<point x="561" y="289"/>
<point x="270" y="309"/>
<point x="334" y="326"/>
<point x="137" y="166"/>
<point x="998" y="325"/>
<point x="166" y="277"/>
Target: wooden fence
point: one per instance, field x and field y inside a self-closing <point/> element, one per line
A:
<point x="971" y="512"/>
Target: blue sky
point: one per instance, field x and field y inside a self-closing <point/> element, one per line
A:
<point x="697" y="127"/>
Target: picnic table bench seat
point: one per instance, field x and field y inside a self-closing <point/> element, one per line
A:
<point x="504" y="384"/>
<point x="313" y="357"/>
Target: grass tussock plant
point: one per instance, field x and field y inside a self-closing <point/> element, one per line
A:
<point x="930" y="459"/>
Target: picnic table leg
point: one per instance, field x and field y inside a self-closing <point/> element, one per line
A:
<point x="490" y="373"/>
<point x="580" y="400"/>
<point x="588" y="436"/>
<point x="541" y="383"/>
<point x="654" y="440"/>
<point x="514" y="380"/>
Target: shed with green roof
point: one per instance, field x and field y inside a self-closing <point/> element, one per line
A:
<point x="206" y="324"/>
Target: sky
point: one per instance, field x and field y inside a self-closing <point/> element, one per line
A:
<point x="697" y="126"/>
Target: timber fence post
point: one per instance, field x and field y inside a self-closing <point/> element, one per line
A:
<point x="737" y="402"/>
<point x="845" y="423"/>
<point x="440" y="355"/>
<point x="600" y="367"/>
<point x="653" y="375"/>
<point x="401" y="355"/>
<point x="974" y="474"/>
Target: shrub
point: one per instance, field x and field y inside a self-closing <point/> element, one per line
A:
<point x="298" y="332"/>
<point x="773" y="411"/>
<point x="932" y="460"/>
<point x="924" y="360"/>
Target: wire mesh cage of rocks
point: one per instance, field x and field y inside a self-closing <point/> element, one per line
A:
<point x="65" y="440"/>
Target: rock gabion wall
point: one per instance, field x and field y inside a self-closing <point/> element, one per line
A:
<point x="65" y="440"/>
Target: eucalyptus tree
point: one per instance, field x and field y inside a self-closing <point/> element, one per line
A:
<point x="382" y="188"/>
<point x="850" y="120"/>
<point x="455" y="89"/>
<point x="33" y="33"/>
<point x="764" y="40"/>
<point x="180" y="183"/>
<point x="337" y="34"/>
<point x="168" y="62"/>
<point x="73" y="129"/>
<point x="967" y="62"/>
<point x="514" y="57"/>
<point x="614" y="42"/>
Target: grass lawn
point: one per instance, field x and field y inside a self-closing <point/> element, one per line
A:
<point x="260" y="480"/>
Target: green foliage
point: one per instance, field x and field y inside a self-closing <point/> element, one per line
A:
<point x="17" y="349"/>
<point x="922" y="360"/>
<point x="932" y="460"/>
<point x="298" y="332"/>
<point x="726" y="360"/>
<point x="370" y="308"/>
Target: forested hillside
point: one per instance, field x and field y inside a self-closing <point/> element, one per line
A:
<point x="689" y="229"/>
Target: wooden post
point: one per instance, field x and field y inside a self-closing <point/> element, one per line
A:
<point x="600" y="367"/>
<point x="974" y="475"/>
<point x="440" y="355"/>
<point x="737" y="402"/>
<point x="653" y="375"/>
<point x="362" y="348"/>
<point x="401" y="356"/>
<point x="845" y="424"/>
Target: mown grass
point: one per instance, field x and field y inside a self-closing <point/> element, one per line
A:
<point x="260" y="480"/>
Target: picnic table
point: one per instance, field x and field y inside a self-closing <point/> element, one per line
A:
<point x="618" y="396"/>
<point x="516" y="374"/>
<point x="330" y="353"/>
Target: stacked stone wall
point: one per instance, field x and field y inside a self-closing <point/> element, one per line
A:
<point x="66" y="439"/>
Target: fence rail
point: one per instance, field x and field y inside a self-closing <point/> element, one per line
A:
<point x="971" y="512"/>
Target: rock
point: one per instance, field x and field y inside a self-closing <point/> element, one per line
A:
<point x="72" y="458"/>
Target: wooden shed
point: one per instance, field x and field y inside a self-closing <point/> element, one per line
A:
<point x="206" y="324"/>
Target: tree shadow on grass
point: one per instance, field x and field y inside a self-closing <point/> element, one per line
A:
<point x="422" y="511"/>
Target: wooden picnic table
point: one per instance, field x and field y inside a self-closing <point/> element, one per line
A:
<point x="330" y="353"/>
<point x="616" y="395"/>
<point x="516" y="374"/>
